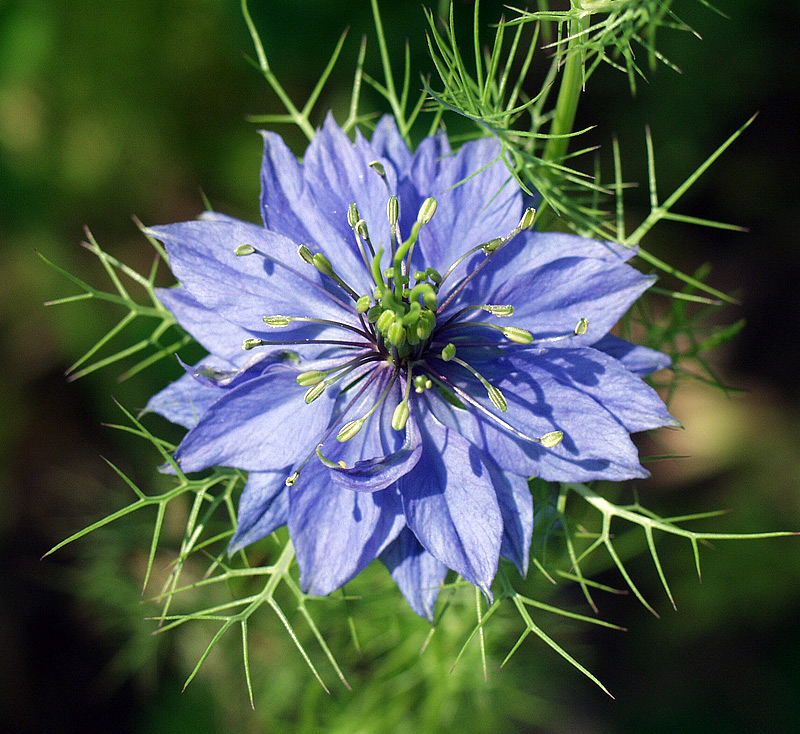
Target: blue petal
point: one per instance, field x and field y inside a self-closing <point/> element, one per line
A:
<point x="244" y="289"/>
<point x="592" y="398"/>
<point x="451" y="506"/>
<point x="337" y="173"/>
<point x="218" y="336"/>
<point x="184" y="401"/>
<point x="371" y="475"/>
<point x="639" y="360"/>
<point x="415" y="571"/>
<point x="550" y="300"/>
<point x="476" y="202"/>
<point x="260" y="425"/>
<point x="263" y="508"/>
<point x="336" y="532"/>
<point x="516" y="507"/>
<point x="387" y="142"/>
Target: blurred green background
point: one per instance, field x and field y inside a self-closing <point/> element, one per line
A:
<point x="135" y="107"/>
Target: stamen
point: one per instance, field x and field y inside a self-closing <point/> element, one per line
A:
<point x="495" y="395"/>
<point x="491" y="248"/>
<point x="514" y="333"/>
<point x="353" y="427"/>
<point x="291" y="480"/>
<point x="252" y="343"/>
<point x="281" y="321"/>
<point x="315" y="377"/>
<point x="548" y="440"/>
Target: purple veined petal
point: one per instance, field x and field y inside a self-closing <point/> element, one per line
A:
<point x="260" y="425"/>
<point x="596" y="445"/>
<point x="218" y="336"/>
<point x="244" y="289"/>
<point x="337" y="532"/>
<point x="549" y="301"/>
<point x="492" y="192"/>
<point x="415" y="571"/>
<point x="516" y="508"/>
<point x="387" y="142"/>
<point x="371" y="475"/>
<point x="184" y="401"/>
<point x="337" y="172"/>
<point x="263" y="508"/>
<point x="451" y="506"/>
<point x="624" y="395"/>
<point x="641" y="361"/>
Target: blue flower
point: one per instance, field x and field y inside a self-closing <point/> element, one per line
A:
<point x="412" y="353"/>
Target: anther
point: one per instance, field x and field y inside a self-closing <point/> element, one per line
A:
<point x="551" y="439"/>
<point x="377" y="166"/>
<point x="352" y="215"/>
<point x="306" y="254"/>
<point x="449" y="352"/>
<point x="363" y="304"/>
<point x="393" y="210"/>
<point x="361" y="230"/>
<point x="427" y="210"/>
<point x="242" y="250"/>
<point x="400" y="415"/>
<point x="277" y="321"/>
<point x="527" y="219"/>
<point x="251" y="343"/>
<point x="582" y="327"/>
<point x="349" y="430"/>
<point x="515" y="334"/>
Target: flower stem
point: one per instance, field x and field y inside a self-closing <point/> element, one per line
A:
<point x="569" y="92"/>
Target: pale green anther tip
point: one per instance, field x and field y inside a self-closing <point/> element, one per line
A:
<point x="515" y="334"/>
<point x="361" y="229"/>
<point x="492" y="245"/>
<point x="498" y="310"/>
<point x="242" y="250"/>
<point x="551" y="439"/>
<point x="352" y="214"/>
<point x="427" y="210"/>
<point x="312" y="377"/>
<point x="497" y="398"/>
<point x="582" y="327"/>
<point x="306" y="254"/>
<point x="277" y="321"/>
<point x="314" y="392"/>
<point x="527" y="218"/>
<point x="349" y="430"/>
<point x="377" y="166"/>
<point x="291" y="480"/>
<point x="449" y="352"/>
<point x="400" y="416"/>
<point x="393" y="210"/>
<point x="363" y="304"/>
<point x="250" y="343"/>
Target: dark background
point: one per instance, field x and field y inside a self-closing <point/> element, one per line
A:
<point x="134" y="107"/>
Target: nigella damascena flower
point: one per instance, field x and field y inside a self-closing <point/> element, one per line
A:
<point x="412" y="353"/>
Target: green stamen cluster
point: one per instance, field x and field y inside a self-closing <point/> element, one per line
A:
<point x="404" y="316"/>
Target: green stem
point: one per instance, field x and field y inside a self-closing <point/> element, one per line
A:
<point x="569" y="92"/>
